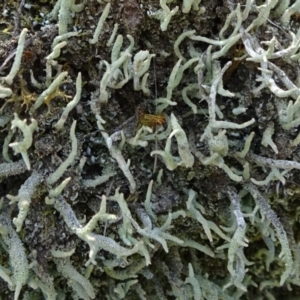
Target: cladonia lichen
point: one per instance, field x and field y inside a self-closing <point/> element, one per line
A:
<point x="150" y="149"/>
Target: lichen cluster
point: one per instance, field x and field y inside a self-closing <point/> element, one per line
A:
<point x="197" y="200"/>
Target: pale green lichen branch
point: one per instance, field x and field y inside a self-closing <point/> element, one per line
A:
<point x="63" y="37"/>
<point x="187" y="159"/>
<point x="95" y="241"/>
<point x="164" y="15"/>
<point x="236" y="263"/>
<point x="188" y="4"/>
<point x="263" y="15"/>
<point x="271" y="216"/>
<point x="176" y="76"/>
<point x="100" y="216"/>
<point x="170" y="161"/>
<point x="24" y="145"/>
<point x="273" y="175"/>
<point x="99" y="27"/>
<point x="17" y="256"/>
<point x="141" y="64"/>
<point x="24" y="197"/>
<point x="247" y="145"/>
<point x="195" y="211"/>
<point x="118" y="59"/>
<point x="267" y="137"/>
<point x="158" y="234"/>
<point x="60" y="123"/>
<point x="192" y="280"/>
<point x="62" y="254"/>
<point x="147" y="203"/>
<point x="53" y="193"/>
<point x="179" y="40"/>
<point x="277" y="163"/>
<point x="128" y="272"/>
<point x="5" y="92"/>
<point x="126" y="230"/>
<point x="78" y="282"/>
<point x="233" y="14"/>
<point x="54" y="177"/>
<point x="55" y="53"/>
<point x="123" y="287"/>
<point x="285" y="18"/>
<point x="63" y="11"/>
<point x="51" y="89"/>
<point x="113" y="35"/>
<point x="190" y="88"/>
<point x="139" y="138"/>
<point x="87" y="183"/>
<point x="117" y="155"/>
<point x="12" y="168"/>
<point x="17" y="62"/>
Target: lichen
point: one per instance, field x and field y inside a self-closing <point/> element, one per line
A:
<point x="195" y="197"/>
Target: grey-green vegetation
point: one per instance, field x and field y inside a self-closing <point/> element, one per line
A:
<point x="149" y="149"/>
